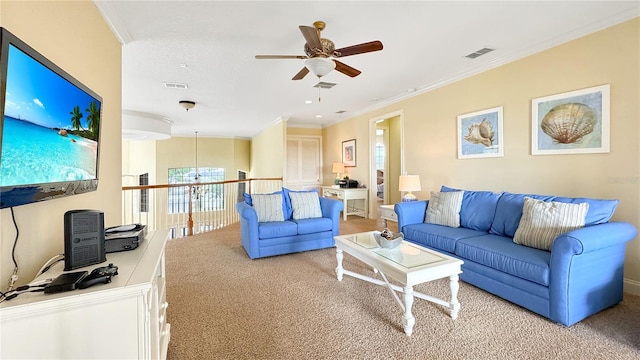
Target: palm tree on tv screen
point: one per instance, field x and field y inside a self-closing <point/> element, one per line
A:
<point x="76" y="115"/>
<point x="93" y="119"/>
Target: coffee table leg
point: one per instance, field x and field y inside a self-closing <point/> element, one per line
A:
<point x="339" y="269"/>
<point x="408" y="320"/>
<point x="455" y="305"/>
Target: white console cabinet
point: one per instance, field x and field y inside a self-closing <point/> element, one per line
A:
<point x="124" y="319"/>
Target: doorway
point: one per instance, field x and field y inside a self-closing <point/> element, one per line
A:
<point x="386" y="135"/>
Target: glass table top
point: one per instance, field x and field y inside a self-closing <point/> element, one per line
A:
<point x="407" y="255"/>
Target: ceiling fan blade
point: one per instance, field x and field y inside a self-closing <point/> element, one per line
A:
<point x="281" y="57"/>
<point x="301" y="74"/>
<point x="346" y="69"/>
<point x="311" y="35"/>
<point x="358" y="49"/>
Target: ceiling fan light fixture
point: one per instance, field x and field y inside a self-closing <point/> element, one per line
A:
<point x="320" y="66"/>
<point x="187" y="104"/>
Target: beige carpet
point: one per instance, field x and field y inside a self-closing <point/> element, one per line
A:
<point x="222" y="305"/>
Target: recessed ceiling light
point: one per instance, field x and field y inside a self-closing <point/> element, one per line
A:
<point x="318" y="116"/>
<point x="183" y="65"/>
<point x="308" y="102"/>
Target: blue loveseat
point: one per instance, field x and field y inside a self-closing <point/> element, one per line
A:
<point x="580" y="275"/>
<point x="269" y="238"/>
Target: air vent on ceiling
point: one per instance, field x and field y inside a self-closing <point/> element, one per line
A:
<point x="341" y="111"/>
<point x="477" y="53"/>
<point x="169" y="85"/>
<point x="324" y="85"/>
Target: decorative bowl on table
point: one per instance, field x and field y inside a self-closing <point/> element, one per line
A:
<point x="388" y="239"/>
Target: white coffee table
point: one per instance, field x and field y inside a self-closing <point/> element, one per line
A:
<point x="408" y="264"/>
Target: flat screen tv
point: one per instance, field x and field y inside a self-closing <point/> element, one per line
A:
<point x="49" y="128"/>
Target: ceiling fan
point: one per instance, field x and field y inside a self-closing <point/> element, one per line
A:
<point x="320" y="51"/>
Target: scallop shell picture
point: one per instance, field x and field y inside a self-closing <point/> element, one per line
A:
<point x="568" y="123"/>
<point x="480" y="133"/>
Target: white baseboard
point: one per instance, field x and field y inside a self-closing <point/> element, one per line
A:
<point x="631" y="287"/>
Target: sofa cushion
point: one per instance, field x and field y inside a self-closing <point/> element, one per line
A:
<point x="444" y="208"/>
<point x="269" y="230"/>
<point x="478" y="208"/>
<point x="509" y="212"/>
<point x="437" y="236"/>
<point x="600" y="210"/>
<point x="543" y="221"/>
<point x="310" y="226"/>
<point x="305" y="205"/>
<point x="501" y="253"/>
<point x="268" y="207"/>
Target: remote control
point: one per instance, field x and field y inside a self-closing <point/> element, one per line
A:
<point x="101" y="275"/>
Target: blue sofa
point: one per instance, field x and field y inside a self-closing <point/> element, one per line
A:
<point x="581" y="275"/>
<point x="261" y="239"/>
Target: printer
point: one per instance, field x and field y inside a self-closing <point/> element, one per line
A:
<point x="124" y="237"/>
<point x="348" y="183"/>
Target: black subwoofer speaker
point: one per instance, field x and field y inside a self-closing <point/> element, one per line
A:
<point x="83" y="238"/>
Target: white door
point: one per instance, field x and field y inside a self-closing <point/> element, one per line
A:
<point x="304" y="162"/>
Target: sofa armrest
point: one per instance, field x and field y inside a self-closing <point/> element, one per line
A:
<point x="410" y="212"/>
<point x="248" y="229"/>
<point x="331" y="209"/>
<point x="593" y="238"/>
<point x="587" y="270"/>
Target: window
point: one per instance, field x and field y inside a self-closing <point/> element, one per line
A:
<point x="379" y="156"/>
<point x="242" y="186"/>
<point x="203" y="197"/>
<point x="144" y="193"/>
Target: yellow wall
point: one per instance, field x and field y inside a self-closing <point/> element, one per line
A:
<point x="179" y="152"/>
<point x="267" y="152"/>
<point x="138" y="157"/>
<point x="242" y="156"/>
<point x="74" y="36"/>
<point x="611" y="56"/>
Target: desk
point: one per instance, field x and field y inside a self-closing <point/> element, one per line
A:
<point x="346" y="194"/>
<point x="388" y="214"/>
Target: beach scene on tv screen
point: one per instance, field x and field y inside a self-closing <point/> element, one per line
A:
<point x="50" y="130"/>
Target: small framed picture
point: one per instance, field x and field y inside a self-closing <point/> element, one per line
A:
<point x="480" y="134"/>
<point x="349" y="152"/>
<point x="575" y="122"/>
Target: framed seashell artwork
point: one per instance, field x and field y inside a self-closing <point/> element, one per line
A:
<point x="575" y="122"/>
<point x="480" y="134"/>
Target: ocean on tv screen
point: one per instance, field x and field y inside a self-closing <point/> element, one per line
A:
<point x="33" y="154"/>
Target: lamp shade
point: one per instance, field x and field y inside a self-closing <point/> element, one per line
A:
<point x="320" y="66"/>
<point x="338" y="168"/>
<point x="410" y="183"/>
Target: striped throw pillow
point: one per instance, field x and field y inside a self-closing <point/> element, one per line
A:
<point x="543" y="221"/>
<point x="306" y="205"/>
<point x="444" y="208"/>
<point x="268" y="207"/>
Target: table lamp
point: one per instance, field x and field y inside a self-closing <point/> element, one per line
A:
<point x="409" y="183"/>
<point x="338" y="168"/>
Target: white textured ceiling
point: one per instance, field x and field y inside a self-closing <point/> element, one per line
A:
<point x="425" y="43"/>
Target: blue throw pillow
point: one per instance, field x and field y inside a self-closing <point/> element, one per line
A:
<point x="478" y="208"/>
<point x="509" y="212"/>
<point x="247" y="199"/>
